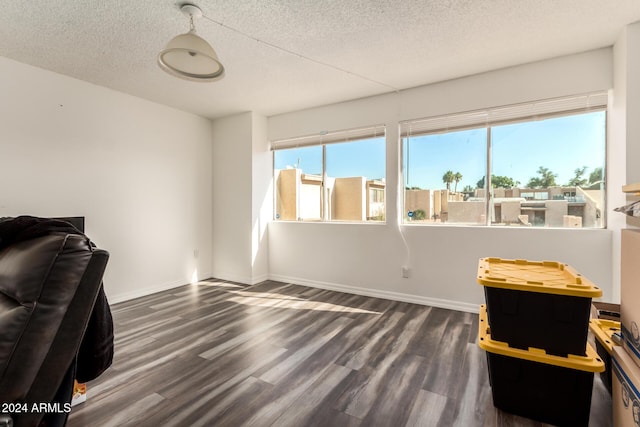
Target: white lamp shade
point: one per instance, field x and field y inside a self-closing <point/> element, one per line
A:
<point x="190" y="57"/>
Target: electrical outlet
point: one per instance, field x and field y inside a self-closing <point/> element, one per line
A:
<point x="405" y="272"/>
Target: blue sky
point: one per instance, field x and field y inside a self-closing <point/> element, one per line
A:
<point x="361" y="158"/>
<point x="560" y="144"/>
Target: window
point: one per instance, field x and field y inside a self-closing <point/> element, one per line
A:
<point x="545" y="161"/>
<point x="338" y="176"/>
<point x="298" y="174"/>
<point x="437" y="170"/>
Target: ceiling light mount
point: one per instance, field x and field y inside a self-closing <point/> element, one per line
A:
<point x="189" y="56"/>
<point x="191" y="10"/>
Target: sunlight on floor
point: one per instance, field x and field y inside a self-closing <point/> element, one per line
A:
<point x="272" y="300"/>
<point x="247" y="297"/>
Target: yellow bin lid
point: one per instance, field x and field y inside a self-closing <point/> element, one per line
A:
<point x="589" y="363"/>
<point x="548" y="277"/>
<point x="603" y="329"/>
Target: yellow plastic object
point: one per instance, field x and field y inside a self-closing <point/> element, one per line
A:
<point x="548" y="277"/>
<point x="603" y="329"/>
<point x="589" y="363"/>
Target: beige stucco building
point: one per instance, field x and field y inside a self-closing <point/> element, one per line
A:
<point x="302" y="196"/>
<point x="558" y="206"/>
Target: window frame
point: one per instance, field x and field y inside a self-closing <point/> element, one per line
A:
<point x="323" y="139"/>
<point x="592" y="102"/>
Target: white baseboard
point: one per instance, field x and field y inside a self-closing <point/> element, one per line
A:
<point x="259" y="279"/>
<point x="395" y="296"/>
<point x="114" y="299"/>
<point x="240" y="279"/>
<point x="231" y="277"/>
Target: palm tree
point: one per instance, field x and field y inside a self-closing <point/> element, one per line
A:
<point x="545" y="180"/>
<point x="448" y="178"/>
<point x="578" y="180"/>
<point x="596" y="176"/>
<point x="456" y="177"/>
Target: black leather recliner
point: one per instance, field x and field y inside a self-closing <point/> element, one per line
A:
<point x="48" y="286"/>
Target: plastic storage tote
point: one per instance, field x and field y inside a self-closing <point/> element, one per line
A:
<point x="540" y="304"/>
<point x="530" y="383"/>
<point x="604" y="331"/>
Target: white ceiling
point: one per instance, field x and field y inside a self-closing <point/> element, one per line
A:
<point x="327" y="51"/>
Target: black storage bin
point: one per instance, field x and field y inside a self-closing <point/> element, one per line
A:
<point x="539" y="304"/>
<point x="530" y="383"/>
<point x="559" y="324"/>
<point x="542" y="392"/>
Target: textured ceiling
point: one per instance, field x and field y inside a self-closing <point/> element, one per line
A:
<point x="330" y="51"/>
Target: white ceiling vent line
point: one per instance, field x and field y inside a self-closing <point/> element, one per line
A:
<point x="303" y="57"/>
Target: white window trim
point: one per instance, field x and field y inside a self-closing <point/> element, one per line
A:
<point x="529" y="111"/>
<point x="330" y="137"/>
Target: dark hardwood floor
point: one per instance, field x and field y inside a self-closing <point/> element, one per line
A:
<point x="275" y="354"/>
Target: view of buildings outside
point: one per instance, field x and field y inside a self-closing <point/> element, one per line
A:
<point x="544" y="173"/>
<point x="353" y="188"/>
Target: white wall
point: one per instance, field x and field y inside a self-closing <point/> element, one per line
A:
<point x="243" y="198"/>
<point x="616" y="155"/>
<point x="574" y="74"/>
<point x="627" y="103"/>
<point x="139" y="172"/>
<point x="367" y="259"/>
<point x="632" y="47"/>
<point x="624" y="128"/>
<point x="232" y="163"/>
<point x="262" y="199"/>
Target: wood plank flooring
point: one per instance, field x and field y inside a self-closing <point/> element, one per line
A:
<point x="275" y="354"/>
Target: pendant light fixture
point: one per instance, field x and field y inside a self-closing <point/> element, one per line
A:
<point x="189" y="56"/>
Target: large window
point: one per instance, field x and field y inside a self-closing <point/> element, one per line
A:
<point x="533" y="165"/>
<point x="338" y="176"/>
<point x="437" y="170"/>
